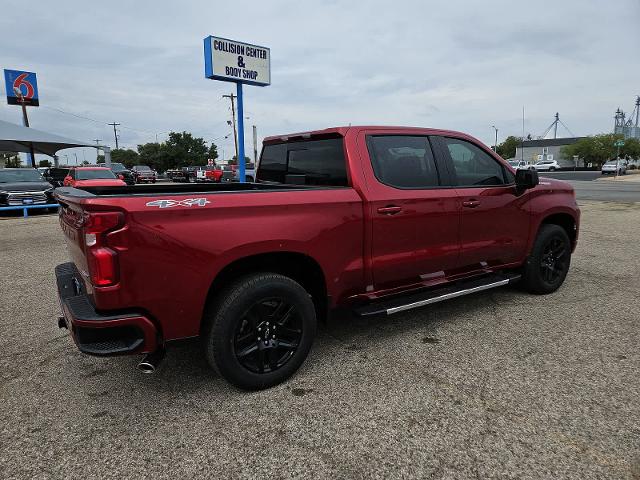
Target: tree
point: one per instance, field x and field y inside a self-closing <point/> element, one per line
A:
<point x="507" y="149"/>
<point x="44" y="163"/>
<point x="181" y="149"/>
<point x="184" y="148"/>
<point x="213" y="152"/>
<point x="155" y="155"/>
<point x="597" y="149"/>
<point x="10" y="159"/>
<point x="127" y="157"/>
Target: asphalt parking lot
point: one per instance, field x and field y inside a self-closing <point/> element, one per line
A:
<point x="497" y="385"/>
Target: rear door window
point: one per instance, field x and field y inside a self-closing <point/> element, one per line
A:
<point x="311" y="162"/>
<point x="403" y="161"/>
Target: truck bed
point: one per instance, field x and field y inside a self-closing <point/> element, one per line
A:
<point x="181" y="189"/>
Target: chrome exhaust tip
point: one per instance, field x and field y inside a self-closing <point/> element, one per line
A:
<point x="151" y="361"/>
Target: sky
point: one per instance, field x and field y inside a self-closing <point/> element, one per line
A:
<point x="457" y="65"/>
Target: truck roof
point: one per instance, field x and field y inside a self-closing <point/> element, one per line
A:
<point x="341" y="131"/>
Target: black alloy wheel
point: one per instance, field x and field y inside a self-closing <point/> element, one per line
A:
<point x="259" y="329"/>
<point x="552" y="261"/>
<point x="548" y="263"/>
<point x="268" y="335"/>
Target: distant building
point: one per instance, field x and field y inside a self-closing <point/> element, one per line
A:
<point x="533" y="151"/>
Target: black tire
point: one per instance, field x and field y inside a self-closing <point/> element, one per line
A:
<point x="552" y="169"/>
<point x="548" y="264"/>
<point x="238" y="319"/>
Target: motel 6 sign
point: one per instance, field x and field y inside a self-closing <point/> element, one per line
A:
<point x="25" y="83"/>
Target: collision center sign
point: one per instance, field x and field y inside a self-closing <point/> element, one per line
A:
<point x="236" y="61"/>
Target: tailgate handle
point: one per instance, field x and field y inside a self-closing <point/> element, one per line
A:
<point x="390" y="210"/>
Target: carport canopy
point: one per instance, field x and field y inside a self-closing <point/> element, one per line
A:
<point x="16" y="138"/>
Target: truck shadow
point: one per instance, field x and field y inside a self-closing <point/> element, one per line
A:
<point x="185" y="368"/>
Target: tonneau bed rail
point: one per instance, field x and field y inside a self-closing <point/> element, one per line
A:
<point x="181" y="189"/>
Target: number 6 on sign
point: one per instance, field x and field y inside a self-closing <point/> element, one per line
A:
<point x="21" y="86"/>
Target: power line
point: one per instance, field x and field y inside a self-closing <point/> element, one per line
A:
<point x="73" y="114"/>
<point x="126" y="127"/>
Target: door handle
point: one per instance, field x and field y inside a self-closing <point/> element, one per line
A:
<point x="390" y="210"/>
<point x="471" y="203"/>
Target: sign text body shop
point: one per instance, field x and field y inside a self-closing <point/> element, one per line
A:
<point x="236" y="61"/>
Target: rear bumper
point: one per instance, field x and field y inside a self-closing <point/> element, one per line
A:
<point x="96" y="333"/>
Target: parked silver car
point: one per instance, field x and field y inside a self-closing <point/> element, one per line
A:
<point x="518" y="164"/>
<point x="546" y="165"/>
<point x="611" y="166"/>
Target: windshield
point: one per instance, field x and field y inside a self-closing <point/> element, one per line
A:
<point x="611" y="162"/>
<point x="142" y="167"/>
<point x="22" y="175"/>
<point x="513" y="163"/>
<point x="94" y="174"/>
<point x="117" y="167"/>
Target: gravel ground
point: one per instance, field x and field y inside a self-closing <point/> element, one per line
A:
<point x="497" y="385"/>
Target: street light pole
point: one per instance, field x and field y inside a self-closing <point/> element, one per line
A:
<point x="495" y="145"/>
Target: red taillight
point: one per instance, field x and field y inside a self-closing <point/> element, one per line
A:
<point x="102" y="261"/>
<point x="101" y="222"/>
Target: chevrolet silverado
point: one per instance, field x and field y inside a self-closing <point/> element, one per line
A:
<point x="375" y="219"/>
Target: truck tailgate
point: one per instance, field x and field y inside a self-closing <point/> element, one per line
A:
<point x="72" y="223"/>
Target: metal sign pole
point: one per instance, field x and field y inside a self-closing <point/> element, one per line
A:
<point x="31" y="156"/>
<point x="238" y="62"/>
<point x="240" y="159"/>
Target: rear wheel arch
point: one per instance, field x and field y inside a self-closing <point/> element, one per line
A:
<point x="300" y="267"/>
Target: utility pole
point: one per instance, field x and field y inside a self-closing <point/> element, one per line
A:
<point x="255" y="146"/>
<point x="555" y="125"/>
<point x="495" y="145"/>
<point x="522" y="139"/>
<point x="233" y="97"/>
<point x="25" y="121"/>
<point x="115" y="133"/>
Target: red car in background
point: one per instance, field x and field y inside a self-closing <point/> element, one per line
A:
<point x="143" y="174"/>
<point x="211" y="173"/>
<point x="92" y="177"/>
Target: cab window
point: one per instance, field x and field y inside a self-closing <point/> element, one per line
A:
<point x="308" y="162"/>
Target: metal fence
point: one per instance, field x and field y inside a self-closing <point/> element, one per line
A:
<point x="26" y="208"/>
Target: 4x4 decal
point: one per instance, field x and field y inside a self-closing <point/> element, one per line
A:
<point x="188" y="202"/>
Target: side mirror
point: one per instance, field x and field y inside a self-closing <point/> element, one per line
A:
<point x="121" y="177"/>
<point x="526" y="178"/>
<point x="67" y="179"/>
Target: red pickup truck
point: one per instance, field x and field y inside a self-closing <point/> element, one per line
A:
<point x="375" y="219"/>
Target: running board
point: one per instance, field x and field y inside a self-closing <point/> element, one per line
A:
<point x="421" y="299"/>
